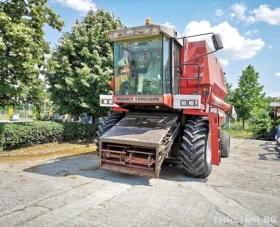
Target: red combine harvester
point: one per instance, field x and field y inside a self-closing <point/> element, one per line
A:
<point x="167" y="104"/>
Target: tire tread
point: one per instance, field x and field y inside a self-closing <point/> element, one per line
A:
<point x="225" y="144"/>
<point x="193" y="148"/>
<point x="107" y="123"/>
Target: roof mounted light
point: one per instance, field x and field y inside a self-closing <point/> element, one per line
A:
<point x="142" y="31"/>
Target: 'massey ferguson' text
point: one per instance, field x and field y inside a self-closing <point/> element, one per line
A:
<point x="119" y="99"/>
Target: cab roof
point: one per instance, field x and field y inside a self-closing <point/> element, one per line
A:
<point x="144" y="31"/>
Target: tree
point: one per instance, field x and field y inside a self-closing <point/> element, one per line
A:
<point x="230" y="92"/>
<point x="81" y="65"/>
<point x="260" y="123"/>
<point x="23" y="50"/>
<point x="249" y="94"/>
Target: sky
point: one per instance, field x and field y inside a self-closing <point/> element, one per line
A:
<point x="250" y="29"/>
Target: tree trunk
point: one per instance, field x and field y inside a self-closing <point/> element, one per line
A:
<point x="93" y="117"/>
<point x="243" y="123"/>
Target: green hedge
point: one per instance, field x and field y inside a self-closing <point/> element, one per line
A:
<point x="27" y="134"/>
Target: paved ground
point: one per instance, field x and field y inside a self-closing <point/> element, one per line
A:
<point x="72" y="191"/>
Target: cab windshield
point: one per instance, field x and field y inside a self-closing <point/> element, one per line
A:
<point x="138" y="66"/>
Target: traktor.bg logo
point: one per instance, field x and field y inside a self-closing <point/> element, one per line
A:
<point x="246" y="220"/>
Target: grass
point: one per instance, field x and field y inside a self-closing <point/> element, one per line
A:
<point x="5" y="117"/>
<point x="20" y="119"/>
<point x="47" y="151"/>
<point x="236" y="131"/>
<point x="47" y="148"/>
<point x="245" y="134"/>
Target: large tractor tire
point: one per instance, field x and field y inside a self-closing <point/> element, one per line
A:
<point x="195" y="149"/>
<point x="105" y="125"/>
<point x="225" y="144"/>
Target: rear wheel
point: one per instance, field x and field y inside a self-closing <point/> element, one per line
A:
<point x="105" y="125"/>
<point x="195" y="149"/>
<point x="225" y="144"/>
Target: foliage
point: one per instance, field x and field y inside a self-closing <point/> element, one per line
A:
<point x="73" y="131"/>
<point x="260" y="123"/>
<point x="236" y="130"/>
<point x="249" y="93"/>
<point x="244" y="134"/>
<point x="230" y="92"/>
<point x="250" y="103"/>
<point x="81" y="65"/>
<point x="27" y="134"/>
<point x="23" y="50"/>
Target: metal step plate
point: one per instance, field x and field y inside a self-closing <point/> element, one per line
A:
<point x="140" y="129"/>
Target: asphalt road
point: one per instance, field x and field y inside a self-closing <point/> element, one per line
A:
<point x="71" y="191"/>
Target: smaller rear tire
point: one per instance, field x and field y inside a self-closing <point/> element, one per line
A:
<point x="225" y="144"/>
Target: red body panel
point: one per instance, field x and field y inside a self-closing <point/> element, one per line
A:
<point x="211" y="70"/>
<point x="211" y="86"/>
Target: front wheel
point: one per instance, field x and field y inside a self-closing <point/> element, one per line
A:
<point x="105" y="125"/>
<point x="195" y="149"/>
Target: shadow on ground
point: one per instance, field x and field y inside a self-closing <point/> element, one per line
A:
<point x="272" y="153"/>
<point x="87" y="165"/>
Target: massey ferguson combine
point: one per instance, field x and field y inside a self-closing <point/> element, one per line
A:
<point x="167" y="104"/>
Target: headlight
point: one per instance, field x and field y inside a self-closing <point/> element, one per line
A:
<point x="155" y="30"/>
<point x="183" y="102"/>
<point x="191" y="103"/>
<point x="136" y="31"/>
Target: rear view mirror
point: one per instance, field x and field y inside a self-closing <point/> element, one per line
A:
<point x="217" y="41"/>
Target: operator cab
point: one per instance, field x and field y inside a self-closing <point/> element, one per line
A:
<point x="143" y="60"/>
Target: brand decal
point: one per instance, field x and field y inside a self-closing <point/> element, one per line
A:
<point x="130" y="99"/>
